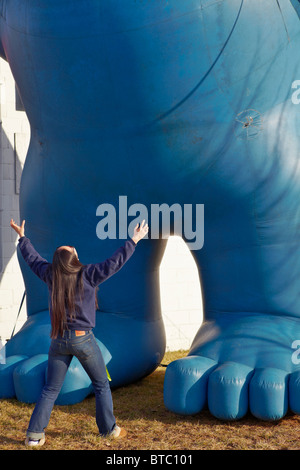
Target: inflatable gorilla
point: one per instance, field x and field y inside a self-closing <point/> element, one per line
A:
<point x="166" y="102"/>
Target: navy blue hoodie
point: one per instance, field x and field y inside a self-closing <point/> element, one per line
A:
<point x="92" y="276"/>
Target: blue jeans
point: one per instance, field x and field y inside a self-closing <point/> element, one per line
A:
<point x="61" y="351"/>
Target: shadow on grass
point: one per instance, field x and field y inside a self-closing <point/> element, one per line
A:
<point x="143" y="400"/>
<point x="139" y="407"/>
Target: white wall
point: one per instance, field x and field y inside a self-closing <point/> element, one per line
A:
<point x="180" y="290"/>
<point x="14" y="141"/>
<point x="180" y="295"/>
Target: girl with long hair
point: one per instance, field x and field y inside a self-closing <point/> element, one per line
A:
<point x="73" y="301"/>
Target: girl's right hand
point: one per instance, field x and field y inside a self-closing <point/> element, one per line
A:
<point x="19" y="229"/>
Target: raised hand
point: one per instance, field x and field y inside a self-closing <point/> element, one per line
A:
<point x="19" y="229"/>
<point x="140" y="232"/>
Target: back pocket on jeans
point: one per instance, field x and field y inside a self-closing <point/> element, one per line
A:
<point x="83" y="349"/>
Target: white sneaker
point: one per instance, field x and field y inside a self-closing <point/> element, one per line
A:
<point x="34" y="443"/>
<point x="118" y="433"/>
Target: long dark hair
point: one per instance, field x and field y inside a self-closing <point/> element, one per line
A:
<point x="66" y="282"/>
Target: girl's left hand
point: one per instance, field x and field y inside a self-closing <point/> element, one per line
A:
<point x="19" y="229"/>
<point x="140" y="232"/>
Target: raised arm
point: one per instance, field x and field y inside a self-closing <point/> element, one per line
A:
<point x="98" y="273"/>
<point x="34" y="260"/>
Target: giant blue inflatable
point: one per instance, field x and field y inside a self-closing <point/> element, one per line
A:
<point x="164" y="102"/>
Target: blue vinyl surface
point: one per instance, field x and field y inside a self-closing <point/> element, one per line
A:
<point x="187" y="102"/>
